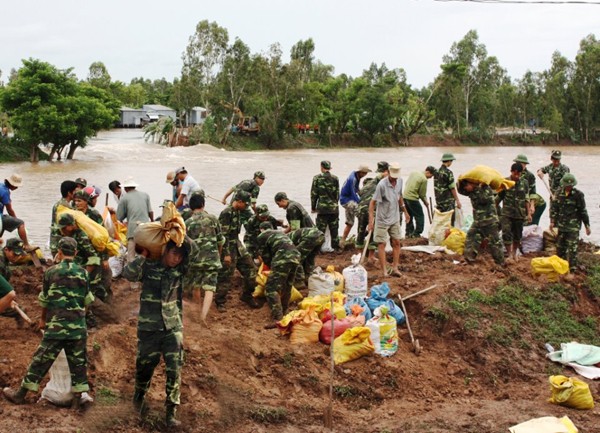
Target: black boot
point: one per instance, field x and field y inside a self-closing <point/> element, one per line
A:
<point x="139" y="403"/>
<point x="250" y="300"/>
<point x="171" y="420"/>
<point x="17" y="397"/>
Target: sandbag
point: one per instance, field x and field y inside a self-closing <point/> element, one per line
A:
<point x="441" y="222"/>
<point x="550" y="237"/>
<point x="339" y="326"/>
<point x="116" y="229"/>
<point x="570" y="392"/>
<point x="320" y="282"/>
<point x="354" y="343"/>
<point x="97" y="233"/>
<point x="58" y="389"/>
<point x="155" y="235"/>
<point x="306" y="327"/>
<point x="25" y="259"/>
<point x="338" y="279"/>
<point x="488" y="176"/>
<point x="355" y="316"/>
<point x="355" y="278"/>
<point x="358" y="301"/>
<point x="552" y="267"/>
<point x="546" y="424"/>
<point x="323" y="302"/>
<point x="455" y="240"/>
<point x="378" y="298"/>
<point x="262" y="276"/>
<point x="384" y="332"/>
<point x="533" y="239"/>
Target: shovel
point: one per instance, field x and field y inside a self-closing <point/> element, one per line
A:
<point x="415" y="343"/>
<point x="364" y="252"/>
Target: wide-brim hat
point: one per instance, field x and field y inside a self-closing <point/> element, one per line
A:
<point x="170" y="177"/>
<point x="521" y="158"/>
<point x="364" y="168"/>
<point x="394" y="170"/>
<point x="448" y="157"/>
<point x="130" y="183"/>
<point x="556" y="154"/>
<point x="15" y="180"/>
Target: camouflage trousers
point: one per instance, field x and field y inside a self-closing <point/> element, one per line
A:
<point x="331" y="220"/>
<point x="46" y="354"/>
<point x="98" y="283"/>
<point x="414" y="228"/>
<point x="512" y="230"/>
<point x="242" y="261"/>
<point x="567" y="243"/>
<point x="278" y="290"/>
<point x="151" y="345"/>
<point x="199" y="277"/>
<point x="308" y="249"/>
<point x="363" y="224"/>
<point x="476" y="235"/>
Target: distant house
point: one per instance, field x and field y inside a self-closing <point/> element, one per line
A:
<point x="161" y="110"/>
<point x="131" y="117"/>
<point x="197" y="116"/>
<point x="137" y="117"/>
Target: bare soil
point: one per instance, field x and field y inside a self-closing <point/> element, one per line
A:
<point x="239" y="377"/>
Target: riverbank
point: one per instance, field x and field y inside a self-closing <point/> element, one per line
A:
<point x="12" y="150"/>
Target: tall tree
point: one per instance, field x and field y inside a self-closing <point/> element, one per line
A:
<point x="586" y="85"/>
<point x="98" y="76"/>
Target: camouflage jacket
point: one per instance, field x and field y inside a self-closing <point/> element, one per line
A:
<point x="514" y="200"/>
<point x="86" y="253"/>
<point x="65" y="294"/>
<point x="4" y="266"/>
<point x="161" y="296"/>
<point x="94" y="215"/>
<point x="231" y="224"/>
<point x="309" y="234"/>
<point x="61" y="202"/>
<point x="443" y="185"/>
<point x="275" y="247"/>
<point x="366" y="194"/>
<point x="297" y="216"/>
<point x="555" y="174"/>
<point x="569" y="211"/>
<point x="325" y="193"/>
<point x="250" y="186"/>
<point x="530" y="177"/>
<point x="253" y="230"/>
<point x="484" y="209"/>
<point x="205" y="230"/>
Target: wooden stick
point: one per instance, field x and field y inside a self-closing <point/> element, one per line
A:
<point x="328" y="419"/>
<point x="215" y="199"/>
<point x="547" y="187"/>
<point x="420" y="292"/>
<point x="367" y="240"/>
<point x="21" y="312"/>
<point x="106" y="200"/>
<point x="430" y="209"/>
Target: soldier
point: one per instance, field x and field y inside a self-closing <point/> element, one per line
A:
<point x="82" y="199"/>
<point x="308" y="241"/>
<point x="81" y="183"/>
<point x="415" y="190"/>
<point x="295" y="213"/>
<point x="536" y="201"/>
<point x="366" y="194"/>
<point x="234" y="255"/>
<point x="556" y="170"/>
<point x="205" y="230"/>
<point x="324" y="197"/>
<point x="280" y="254"/>
<point x="485" y="222"/>
<point x="567" y="214"/>
<point x="64" y="296"/>
<point x="160" y="322"/>
<point x="446" y="198"/>
<point x="349" y="198"/>
<point x="515" y="210"/>
<point x="253" y="227"/>
<point x="251" y="186"/>
<point x="11" y="253"/>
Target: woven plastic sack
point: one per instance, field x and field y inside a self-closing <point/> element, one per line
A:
<point x="384" y="332"/>
<point x="442" y="221"/>
<point x="58" y="389"/>
<point x="322" y="302"/>
<point x="262" y="276"/>
<point x="570" y="392"/>
<point x="116" y="229"/>
<point x="355" y="278"/>
<point x="339" y="327"/>
<point x="97" y="233"/>
<point x="306" y="327"/>
<point x="338" y="279"/>
<point x="487" y="175"/>
<point x="533" y="239"/>
<point x="378" y="298"/>
<point x="550" y="240"/>
<point x="354" y="343"/>
<point x="455" y="240"/>
<point x="155" y="235"/>
<point x="320" y="282"/>
<point x="360" y="302"/>
<point x="552" y="267"/>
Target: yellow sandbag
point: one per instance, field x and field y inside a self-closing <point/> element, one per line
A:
<point x="285" y="324"/>
<point x="25" y="259"/>
<point x="570" y="392"/>
<point x="339" y="311"/>
<point x="116" y="229"/>
<point x="306" y="327"/>
<point x="154" y="235"/>
<point x="322" y="302"/>
<point x="261" y="281"/>
<point x="354" y="343"/>
<point x="296" y="296"/>
<point x="487" y="175"/>
<point x="455" y="241"/>
<point x="552" y="266"/>
<point x="97" y="233"/>
<point x="337" y="278"/>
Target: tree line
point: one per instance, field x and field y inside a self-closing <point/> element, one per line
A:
<point x="470" y="97"/>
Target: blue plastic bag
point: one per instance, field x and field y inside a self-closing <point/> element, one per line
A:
<point x="361" y="303"/>
<point x="379" y="296"/>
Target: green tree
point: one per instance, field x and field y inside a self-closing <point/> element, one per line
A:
<point x="585" y="86"/>
<point x="98" y="76"/>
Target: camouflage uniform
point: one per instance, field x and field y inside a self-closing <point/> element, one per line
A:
<point x="485" y="225"/>
<point x="231" y="223"/>
<point x="253" y="230"/>
<point x="88" y="256"/>
<point x="539" y="202"/>
<point x="204" y="229"/>
<point x="4" y="266"/>
<point x="252" y="188"/>
<point x="366" y="194"/>
<point x="324" y="197"/>
<point x="55" y="234"/>
<point x="514" y="211"/>
<point x="64" y="295"/>
<point x="308" y="241"/>
<point x="160" y="324"/>
<point x="280" y="254"/>
<point x="297" y="216"/>
<point x="100" y="278"/>
<point x="568" y="212"/>
<point x="555" y="174"/>
<point x="443" y="185"/>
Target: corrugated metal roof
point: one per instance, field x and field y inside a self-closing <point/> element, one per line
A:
<point x="156" y="107"/>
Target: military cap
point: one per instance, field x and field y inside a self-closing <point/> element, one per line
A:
<point x="81" y="181"/>
<point x="67" y="245"/>
<point x="556" y="154"/>
<point x="66" y="219"/>
<point x="16" y="246"/>
<point x="265" y="225"/>
<point x="262" y="210"/>
<point x="448" y="157"/>
<point x="382" y="166"/>
<point x="198" y="192"/>
<point x="568" y="180"/>
<point x="281" y="196"/>
<point x="82" y="194"/>
<point x="521" y="158"/>
<point x="242" y="196"/>
<point x="259" y="174"/>
<point x="326" y="164"/>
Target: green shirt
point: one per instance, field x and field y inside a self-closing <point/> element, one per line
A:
<point x="416" y="186"/>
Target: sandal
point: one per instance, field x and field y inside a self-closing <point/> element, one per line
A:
<point x="396" y="273"/>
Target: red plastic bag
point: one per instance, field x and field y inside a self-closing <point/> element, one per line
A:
<point x="339" y="326"/>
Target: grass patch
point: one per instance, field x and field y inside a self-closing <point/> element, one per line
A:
<point x="345" y="391"/>
<point x="268" y="415"/>
<point x="107" y="396"/>
<point x="593" y="280"/>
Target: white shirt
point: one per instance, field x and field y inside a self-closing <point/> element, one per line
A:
<point x="188" y="186"/>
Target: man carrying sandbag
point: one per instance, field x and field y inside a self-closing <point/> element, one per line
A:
<point x="134" y="207"/>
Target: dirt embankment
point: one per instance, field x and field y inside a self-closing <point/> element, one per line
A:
<point x="241" y="378"/>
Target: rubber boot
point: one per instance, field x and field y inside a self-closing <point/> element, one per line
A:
<point x="139" y="403"/>
<point x="172" y="422"/>
<point x="16" y="397"/>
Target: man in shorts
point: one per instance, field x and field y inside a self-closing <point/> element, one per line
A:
<point x="349" y="199"/>
<point x="10" y="222"/>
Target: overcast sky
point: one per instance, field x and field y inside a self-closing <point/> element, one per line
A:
<point x="147" y="37"/>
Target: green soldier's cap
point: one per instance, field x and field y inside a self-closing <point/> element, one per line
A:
<point x="199" y="192"/>
<point x="281" y="196"/>
<point x="259" y="174"/>
<point x="66" y="219"/>
<point x="243" y="196"/>
<point x="265" y="225"/>
<point x="568" y="180"/>
<point x="556" y="154"/>
<point x="81" y="181"/>
<point x="448" y="157"/>
<point x="16" y="246"/>
<point x="326" y="164"/>
<point x="67" y="245"/>
<point x="82" y="195"/>
<point x="382" y="166"/>
<point x="521" y="158"/>
<point x="262" y="210"/>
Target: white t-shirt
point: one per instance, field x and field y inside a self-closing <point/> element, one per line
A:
<point x="188" y="186"/>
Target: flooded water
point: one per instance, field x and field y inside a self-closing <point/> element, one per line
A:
<point x="118" y="154"/>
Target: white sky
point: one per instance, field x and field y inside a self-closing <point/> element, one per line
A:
<point x="147" y="37"/>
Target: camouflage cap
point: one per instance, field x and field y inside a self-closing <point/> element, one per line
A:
<point x="262" y="210"/>
<point x="326" y="164"/>
<point x="259" y="174"/>
<point x="568" y="180"/>
<point x="81" y="181"/>
<point x="198" y="192"/>
<point x="67" y="245"/>
<point x="556" y="154"/>
<point x="265" y="225"/>
<point x="521" y="158"/>
<point x="66" y="219"/>
<point x="382" y="166"/>
<point x="243" y="196"/>
<point x="16" y="246"/>
<point x="281" y="196"/>
<point x="448" y="157"/>
<point x="81" y="195"/>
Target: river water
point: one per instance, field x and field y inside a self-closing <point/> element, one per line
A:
<point x="120" y="153"/>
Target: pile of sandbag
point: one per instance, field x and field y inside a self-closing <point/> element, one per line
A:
<point x="355" y="278"/>
<point x="442" y="221"/>
<point x="324" y="282"/>
<point x="261" y="281"/>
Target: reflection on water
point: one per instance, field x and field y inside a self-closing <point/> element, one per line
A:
<point x="119" y="154"/>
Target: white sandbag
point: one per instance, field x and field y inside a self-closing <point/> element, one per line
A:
<point x="355" y="279"/>
<point x="117" y="263"/>
<point x="58" y="389"/>
<point x="533" y="239"/>
<point x="441" y="222"/>
<point x="320" y="282"/>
